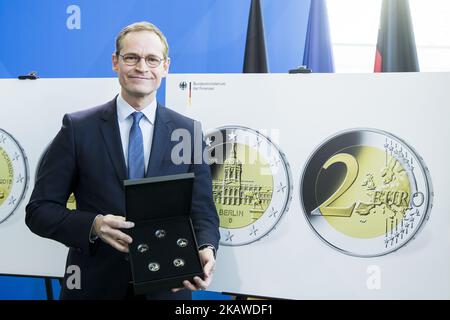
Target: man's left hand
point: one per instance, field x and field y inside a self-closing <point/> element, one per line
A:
<point x="208" y="261"/>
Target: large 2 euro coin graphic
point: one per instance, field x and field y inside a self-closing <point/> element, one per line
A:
<point x="13" y="175"/>
<point x="366" y="192"/>
<point x="252" y="184"/>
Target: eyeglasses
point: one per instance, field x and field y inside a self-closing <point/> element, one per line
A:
<point x="131" y="59"/>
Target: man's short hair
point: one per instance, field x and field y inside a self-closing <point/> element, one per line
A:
<point x="141" y="26"/>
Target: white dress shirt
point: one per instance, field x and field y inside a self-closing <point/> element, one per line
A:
<point x="147" y="125"/>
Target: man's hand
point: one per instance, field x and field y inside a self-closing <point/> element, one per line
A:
<point x="208" y="261"/>
<point x="108" y="228"/>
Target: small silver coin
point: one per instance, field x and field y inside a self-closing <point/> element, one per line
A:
<point x="182" y="242"/>
<point x="142" y="248"/>
<point x="153" y="266"/>
<point x="160" y="233"/>
<point x="178" y="263"/>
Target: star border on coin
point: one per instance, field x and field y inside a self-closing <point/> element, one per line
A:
<point x="21" y="174"/>
<point x="281" y="173"/>
<point x="419" y="177"/>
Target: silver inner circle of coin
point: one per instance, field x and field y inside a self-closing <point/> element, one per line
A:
<point x="178" y="263"/>
<point x="182" y="242"/>
<point x="142" y="248"/>
<point x="153" y="266"/>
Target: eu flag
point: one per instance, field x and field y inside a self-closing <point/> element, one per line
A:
<point x="318" y="54"/>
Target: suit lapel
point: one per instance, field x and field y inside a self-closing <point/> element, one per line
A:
<point x="111" y="135"/>
<point x="160" y="141"/>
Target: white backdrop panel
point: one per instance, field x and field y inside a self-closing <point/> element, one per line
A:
<point x="31" y="111"/>
<point x="292" y="262"/>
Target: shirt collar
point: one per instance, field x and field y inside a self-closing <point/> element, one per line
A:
<point x="124" y="110"/>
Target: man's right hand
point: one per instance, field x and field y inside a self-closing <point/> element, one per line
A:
<point x="108" y="228"/>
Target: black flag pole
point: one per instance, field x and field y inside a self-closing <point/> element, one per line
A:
<point x="255" y="59"/>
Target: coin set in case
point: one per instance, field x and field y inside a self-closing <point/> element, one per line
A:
<point x="143" y="248"/>
<point x="164" y="251"/>
<point x="163" y="254"/>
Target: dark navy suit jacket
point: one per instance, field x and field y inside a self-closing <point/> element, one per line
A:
<point x="86" y="158"/>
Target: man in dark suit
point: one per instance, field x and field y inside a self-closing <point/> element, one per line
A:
<point x="95" y="151"/>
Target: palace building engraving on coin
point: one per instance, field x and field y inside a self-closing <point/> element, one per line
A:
<point x="366" y="192"/>
<point x="14" y="175"/>
<point x="252" y="184"/>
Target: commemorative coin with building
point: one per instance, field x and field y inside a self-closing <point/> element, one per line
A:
<point x="13" y="175"/>
<point x="252" y="184"/>
<point x="366" y="192"/>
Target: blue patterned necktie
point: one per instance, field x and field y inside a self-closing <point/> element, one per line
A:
<point x="136" y="166"/>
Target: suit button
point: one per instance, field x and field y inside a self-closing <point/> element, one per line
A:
<point x="126" y="257"/>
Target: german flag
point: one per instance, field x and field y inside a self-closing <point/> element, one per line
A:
<point x="396" y="47"/>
